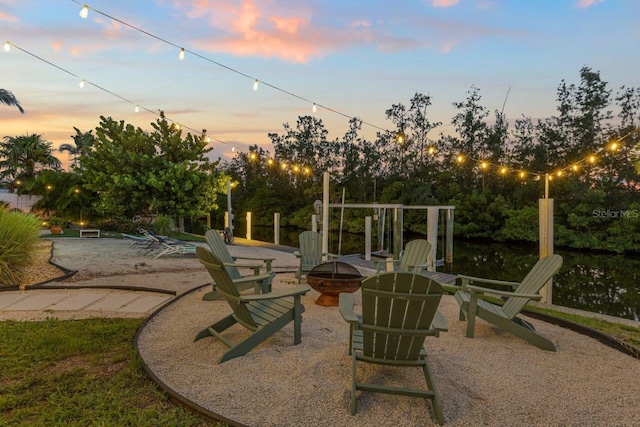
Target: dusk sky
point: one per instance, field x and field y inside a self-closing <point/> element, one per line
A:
<point x="358" y="57"/>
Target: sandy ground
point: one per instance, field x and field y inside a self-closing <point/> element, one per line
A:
<point x="492" y="379"/>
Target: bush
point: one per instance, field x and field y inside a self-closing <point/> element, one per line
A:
<point x="18" y="234"/>
<point x="162" y="225"/>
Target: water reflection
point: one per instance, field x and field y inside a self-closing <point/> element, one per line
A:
<point x="598" y="282"/>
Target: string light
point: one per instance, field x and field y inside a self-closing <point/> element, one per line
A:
<point x="84" y="12"/>
<point x="233" y="149"/>
<point x="181" y="54"/>
<point x="522" y="174"/>
<point x="504" y="170"/>
<point x="431" y="150"/>
<point x="255" y="85"/>
<point x="460" y="158"/>
<point x="270" y="162"/>
<point x="7" y="47"/>
<point x="483" y="165"/>
<point x="81" y="84"/>
<point x="314" y="108"/>
<point x="575" y="167"/>
<point x="592" y="159"/>
<point x="137" y="109"/>
<point x="253" y="156"/>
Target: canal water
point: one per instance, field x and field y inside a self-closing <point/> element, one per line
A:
<point x="599" y="282"/>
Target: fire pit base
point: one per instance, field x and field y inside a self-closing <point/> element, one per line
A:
<point x="332" y="278"/>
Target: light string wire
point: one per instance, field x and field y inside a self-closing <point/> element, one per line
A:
<point x="97" y="86"/>
<point x="254" y="79"/>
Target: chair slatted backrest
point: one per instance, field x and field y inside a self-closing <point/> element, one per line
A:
<point x="416" y="252"/>
<point x="226" y="287"/>
<point x="397" y="311"/>
<point x="219" y="248"/>
<point x="310" y="248"/>
<point x="541" y="273"/>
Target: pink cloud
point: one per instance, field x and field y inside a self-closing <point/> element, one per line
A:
<point x="584" y="4"/>
<point x="7" y="17"/>
<point x="444" y="3"/>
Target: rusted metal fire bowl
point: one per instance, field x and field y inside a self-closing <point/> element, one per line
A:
<point x="332" y="278"/>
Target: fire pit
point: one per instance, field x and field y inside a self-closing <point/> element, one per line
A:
<point x="331" y="278"/>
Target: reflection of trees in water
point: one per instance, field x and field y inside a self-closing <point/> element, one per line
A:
<point x="599" y="282"/>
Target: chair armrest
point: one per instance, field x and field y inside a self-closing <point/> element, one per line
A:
<point x="254" y="278"/>
<point x="345" y="305"/>
<point x="331" y="257"/>
<point x="481" y="290"/>
<point x="266" y="261"/>
<point x="419" y="266"/>
<point x="439" y="323"/>
<point x="297" y="254"/>
<point x="467" y="279"/>
<point x="379" y="264"/>
<point x="282" y="293"/>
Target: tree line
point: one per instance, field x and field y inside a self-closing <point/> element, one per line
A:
<point x="487" y="169"/>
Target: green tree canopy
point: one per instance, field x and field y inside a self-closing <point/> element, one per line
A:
<point x="22" y="157"/>
<point x="159" y="172"/>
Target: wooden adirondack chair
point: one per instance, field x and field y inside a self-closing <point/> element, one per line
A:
<point x="505" y="316"/>
<point x="219" y="249"/>
<point x="262" y="314"/>
<point x="399" y="310"/>
<point x="414" y="258"/>
<point x="310" y="253"/>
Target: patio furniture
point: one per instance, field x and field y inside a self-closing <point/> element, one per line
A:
<point x="257" y="281"/>
<point x="310" y="253"/>
<point x="262" y="314"/>
<point x="505" y="316"/>
<point x="414" y="257"/>
<point x="399" y="310"/>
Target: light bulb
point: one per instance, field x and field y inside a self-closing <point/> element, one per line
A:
<point x="270" y="162"/>
<point x="483" y="165"/>
<point x="560" y="173"/>
<point x="592" y="159"/>
<point x="181" y="54"/>
<point x="207" y="140"/>
<point x="523" y="174"/>
<point x="233" y="149"/>
<point x="84" y="12"/>
<point x="314" y="108"/>
<point x="431" y="150"/>
<point x="503" y="170"/>
<point x="81" y="84"/>
<point x="255" y="84"/>
<point x="137" y="109"/>
<point x="614" y="146"/>
<point x="7" y="47"/>
<point x="575" y="167"/>
<point x="460" y="158"/>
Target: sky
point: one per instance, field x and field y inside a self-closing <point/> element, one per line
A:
<point x="353" y="58"/>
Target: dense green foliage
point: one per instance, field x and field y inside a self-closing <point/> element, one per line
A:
<point x="492" y="169"/>
<point x="79" y="373"/>
<point x="23" y="157"/>
<point x="134" y="172"/>
<point x="18" y="235"/>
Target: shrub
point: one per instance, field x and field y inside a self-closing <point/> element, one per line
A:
<point x="163" y="225"/>
<point x="18" y="234"/>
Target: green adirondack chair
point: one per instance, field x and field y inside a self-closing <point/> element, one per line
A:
<point x="219" y="249"/>
<point x="310" y="253"/>
<point x="414" y="258"/>
<point x="262" y="314"/>
<point x="505" y="316"/>
<point x="399" y="310"/>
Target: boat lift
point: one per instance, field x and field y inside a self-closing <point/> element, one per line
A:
<point x="397" y="210"/>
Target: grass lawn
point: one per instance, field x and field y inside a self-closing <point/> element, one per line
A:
<point x="79" y="373"/>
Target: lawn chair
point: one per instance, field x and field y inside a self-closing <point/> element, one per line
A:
<point x="505" y="316"/>
<point x="161" y="246"/>
<point x="414" y="258"/>
<point x="219" y="249"/>
<point x="310" y="253"/>
<point x="399" y="310"/>
<point x="262" y="314"/>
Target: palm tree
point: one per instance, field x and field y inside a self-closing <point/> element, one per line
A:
<point x="24" y="156"/>
<point x="6" y="97"/>
<point x="82" y="142"/>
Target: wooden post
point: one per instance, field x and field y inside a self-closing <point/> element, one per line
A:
<point x="398" y="229"/>
<point x="314" y="222"/>
<point x="448" y="257"/>
<point x="276" y="228"/>
<point x="432" y="235"/>
<point x="325" y="213"/>
<point x="546" y="243"/>
<point x="367" y="238"/>
<point x="248" y="225"/>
